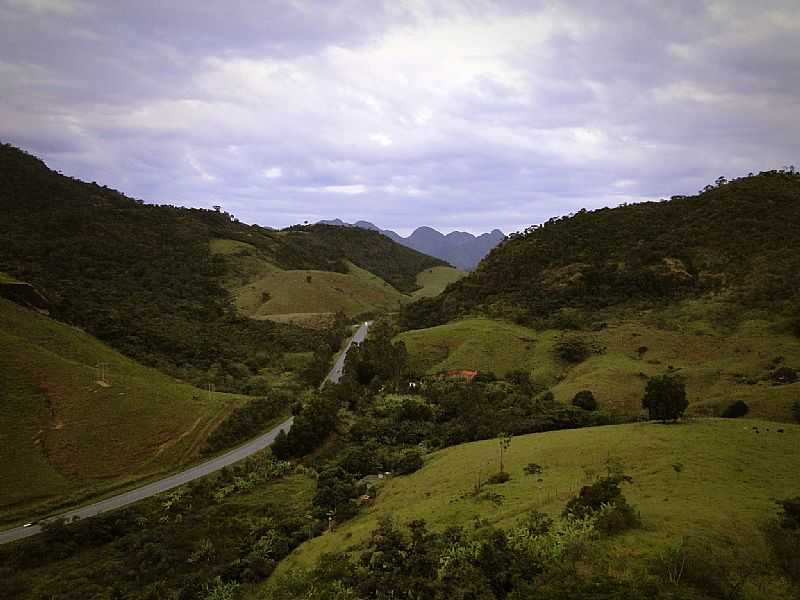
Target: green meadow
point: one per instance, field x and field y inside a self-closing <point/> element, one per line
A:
<point x="725" y="490"/>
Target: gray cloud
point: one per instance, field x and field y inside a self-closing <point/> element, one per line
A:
<point x="461" y="115"/>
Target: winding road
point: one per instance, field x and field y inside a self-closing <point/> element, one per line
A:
<point x="173" y="481"/>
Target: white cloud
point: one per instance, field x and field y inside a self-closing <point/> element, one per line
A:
<point x="273" y="173"/>
<point x="60" y="7"/>
<point x="381" y="139"/>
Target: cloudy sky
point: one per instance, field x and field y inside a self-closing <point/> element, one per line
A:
<point x="463" y="115"/>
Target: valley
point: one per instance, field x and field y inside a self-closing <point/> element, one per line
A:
<point x="481" y="403"/>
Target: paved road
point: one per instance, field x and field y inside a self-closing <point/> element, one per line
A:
<point x="336" y="372"/>
<point x="173" y="481"/>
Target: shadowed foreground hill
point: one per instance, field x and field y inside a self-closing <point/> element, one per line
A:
<point x="739" y="240"/>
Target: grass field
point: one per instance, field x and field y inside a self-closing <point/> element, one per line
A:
<point x="726" y="490"/>
<point x="292" y="292"/>
<point x="5" y="278"/>
<point x="719" y="367"/>
<point x="66" y="435"/>
<point x="311" y="298"/>
<point x="433" y="281"/>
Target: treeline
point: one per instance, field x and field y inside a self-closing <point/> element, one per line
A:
<point x="739" y="236"/>
<point x="246" y="421"/>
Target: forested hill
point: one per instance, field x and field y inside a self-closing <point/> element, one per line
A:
<point x="143" y="278"/>
<point x="739" y="238"/>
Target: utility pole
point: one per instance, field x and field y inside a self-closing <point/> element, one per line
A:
<point x="211" y="388"/>
<point x="101" y="369"/>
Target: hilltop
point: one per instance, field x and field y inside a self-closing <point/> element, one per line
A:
<point x="736" y="242"/>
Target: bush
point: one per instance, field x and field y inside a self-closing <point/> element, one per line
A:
<point x="533" y="469"/>
<point x="585" y="400"/>
<point x="736" y="410"/>
<point x="617" y="517"/>
<point x="796" y="410"/>
<point x="665" y="398"/>
<point x="410" y="461"/>
<point x="499" y="477"/>
<point x="572" y="349"/>
<point x="784" y="375"/>
<point x="604" y="500"/>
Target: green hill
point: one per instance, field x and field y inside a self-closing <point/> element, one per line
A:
<point x="725" y="491"/>
<point x="737" y="242"/>
<point x="433" y="281"/>
<point x="79" y="419"/>
<point x="152" y="282"/>
<point x="718" y="367"/>
<point x="263" y="290"/>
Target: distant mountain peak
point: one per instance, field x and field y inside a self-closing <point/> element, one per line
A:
<point x="460" y="248"/>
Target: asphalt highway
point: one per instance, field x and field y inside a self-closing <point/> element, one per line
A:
<point x="173" y="481"/>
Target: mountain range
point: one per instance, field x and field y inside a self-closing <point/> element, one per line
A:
<point x="459" y="248"/>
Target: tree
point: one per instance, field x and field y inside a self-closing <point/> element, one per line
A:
<point x="585" y="400"/>
<point x="665" y="398"/>
<point x="504" y="440"/>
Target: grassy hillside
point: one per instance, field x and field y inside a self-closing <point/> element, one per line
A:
<point x="309" y="297"/>
<point x="481" y="344"/>
<point x="739" y="239"/>
<point x="66" y="434"/>
<point x="719" y="367"/>
<point x="725" y="491"/>
<point x="263" y="290"/>
<point x="433" y="281"/>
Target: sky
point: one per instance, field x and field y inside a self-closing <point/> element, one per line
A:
<point x="461" y="115"/>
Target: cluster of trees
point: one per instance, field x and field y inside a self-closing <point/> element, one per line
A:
<point x="380" y="417"/>
<point x="246" y="421"/>
<point x="190" y="543"/>
<point x="741" y="236"/>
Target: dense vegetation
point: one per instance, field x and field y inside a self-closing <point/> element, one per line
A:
<point x="202" y="540"/>
<point x="143" y="279"/>
<point x="381" y="416"/>
<point x="739" y="238"/>
<point x="533" y="559"/>
<point x="327" y="247"/>
<point x="246" y="422"/>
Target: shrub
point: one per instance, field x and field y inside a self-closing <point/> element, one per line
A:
<point x="410" y="461"/>
<point x="499" y="477"/>
<point x="736" y="410"/>
<point x="665" y="398"/>
<point x="617" y="517"/>
<point x="585" y="400"/>
<point x="533" y="469"/>
<point x="783" y="375"/>
<point x="572" y="349"/>
<point x="604" y="501"/>
<point x="796" y="410"/>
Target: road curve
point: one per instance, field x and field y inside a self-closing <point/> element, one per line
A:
<point x="190" y="474"/>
